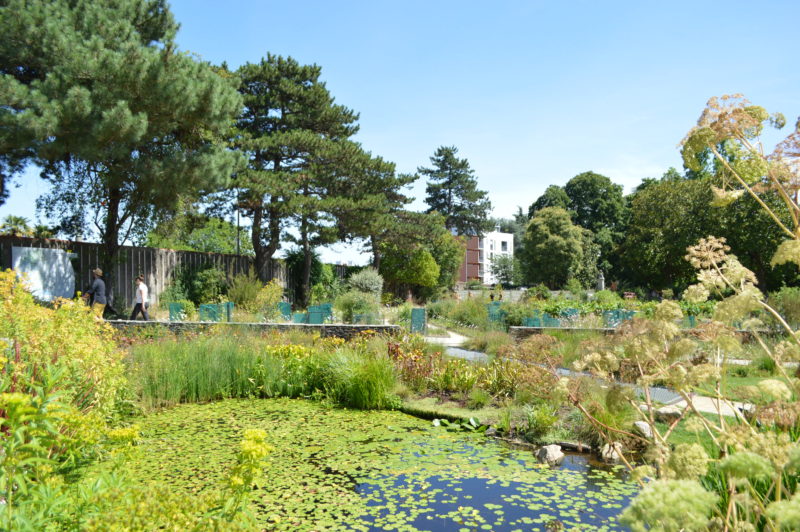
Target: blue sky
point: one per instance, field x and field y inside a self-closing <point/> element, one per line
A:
<point x="532" y="93"/>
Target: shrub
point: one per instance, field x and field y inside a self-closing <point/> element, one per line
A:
<point x="243" y="290"/>
<point x="473" y="284"/>
<point x="368" y="281"/>
<point x="575" y="288"/>
<point x="65" y="338"/>
<point x="361" y="380"/>
<point x="607" y="300"/>
<point x="539" y="291"/>
<point x="207" y="285"/>
<point x="268" y="298"/>
<point x="327" y="288"/>
<point x="539" y="420"/>
<point x="354" y="302"/>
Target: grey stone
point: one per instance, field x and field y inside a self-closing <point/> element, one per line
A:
<point x="668" y="414"/>
<point x="611" y="452"/>
<point x="550" y="454"/>
<point x="643" y="429"/>
<point x="491" y="431"/>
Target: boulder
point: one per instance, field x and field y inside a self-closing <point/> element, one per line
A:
<point x="643" y="429"/>
<point x="611" y="452"/>
<point x="668" y="414"/>
<point x="550" y="454"/>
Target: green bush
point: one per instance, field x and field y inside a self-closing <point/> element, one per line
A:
<point x="354" y="302"/>
<point x="539" y="291"/>
<point x="207" y="285"/>
<point x="243" y="290"/>
<point x="539" y="420"/>
<point x="607" y="300"/>
<point x="368" y="281"/>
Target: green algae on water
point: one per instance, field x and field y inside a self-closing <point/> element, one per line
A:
<point x="335" y="469"/>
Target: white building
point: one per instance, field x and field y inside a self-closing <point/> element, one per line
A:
<point x="490" y="246"/>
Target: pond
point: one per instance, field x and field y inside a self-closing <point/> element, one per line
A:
<point x="335" y="469"/>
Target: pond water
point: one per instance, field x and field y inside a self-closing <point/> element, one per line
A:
<point x="336" y="469"/>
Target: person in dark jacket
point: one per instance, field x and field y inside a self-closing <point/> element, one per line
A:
<point x="98" y="292"/>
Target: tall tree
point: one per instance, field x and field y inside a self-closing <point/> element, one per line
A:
<point x="303" y="170"/>
<point x="656" y="241"/>
<point x="554" y="196"/>
<point x="452" y="190"/>
<point x="553" y="248"/>
<point x="598" y="205"/>
<point x="120" y="121"/>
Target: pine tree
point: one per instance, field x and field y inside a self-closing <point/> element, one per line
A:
<point x="304" y="171"/>
<point x="452" y="190"/>
<point x="96" y="94"/>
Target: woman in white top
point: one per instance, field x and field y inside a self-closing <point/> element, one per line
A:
<point x="141" y="300"/>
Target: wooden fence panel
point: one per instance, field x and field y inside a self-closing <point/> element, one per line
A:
<point x="158" y="266"/>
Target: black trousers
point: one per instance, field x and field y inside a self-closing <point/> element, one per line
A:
<point x="137" y="308"/>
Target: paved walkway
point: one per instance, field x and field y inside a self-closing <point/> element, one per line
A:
<point x="704" y="404"/>
<point x="451" y="340"/>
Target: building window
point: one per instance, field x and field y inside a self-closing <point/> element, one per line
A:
<point x="491" y="244"/>
<point x="491" y="256"/>
<point x="480" y="256"/>
<point x="480" y="243"/>
<point x="503" y="246"/>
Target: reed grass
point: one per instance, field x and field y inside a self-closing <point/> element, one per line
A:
<point x="210" y="368"/>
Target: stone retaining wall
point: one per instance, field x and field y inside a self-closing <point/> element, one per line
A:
<point x="339" y="330"/>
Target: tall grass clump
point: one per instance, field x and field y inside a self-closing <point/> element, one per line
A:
<point x="220" y="367"/>
<point x="361" y="380"/>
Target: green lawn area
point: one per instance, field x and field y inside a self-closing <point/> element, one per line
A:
<point x="733" y="385"/>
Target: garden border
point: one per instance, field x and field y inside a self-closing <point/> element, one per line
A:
<point x="339" y="330"/>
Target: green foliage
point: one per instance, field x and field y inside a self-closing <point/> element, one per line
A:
<point x="787" y="302"/>
<point x="506" y="269"/>
<point x="478" y="399"/>
<point x="452" y="190"/>
<point x="539" y="420"/>
<point x="368" y="281"/>
<point x="574" y="287"/>
<point x="538" y="291"/>
<point x="207" y="285"/>
<point x="361" y="380"/>
<point x="490" y="342"/>
<point x="189" y="230"/>
<point x="217" y="367"/>
<point x="327" y="288"/>
<point x="553" y="248"/>
<point x="243" y="290"/>
<point x="670" y="505"/>
<point x="607" y="299"/>
<point x="120" y="120"/>
<point x="353" y="303"/>
<point x="554" y="196"/>
<point x="15" y="226"/>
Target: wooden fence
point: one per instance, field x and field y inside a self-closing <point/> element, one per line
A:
<point x="158" y="266"/>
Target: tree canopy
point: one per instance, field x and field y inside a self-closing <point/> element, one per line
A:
<point x="452" y="190"/>
<point x="553" y="248"/>
<point x="121" y="123"/>
<point x="554" y="196"/>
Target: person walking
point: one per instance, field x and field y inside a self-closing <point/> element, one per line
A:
<point x="142" y="303"/>
<point x="98" y="292"/>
